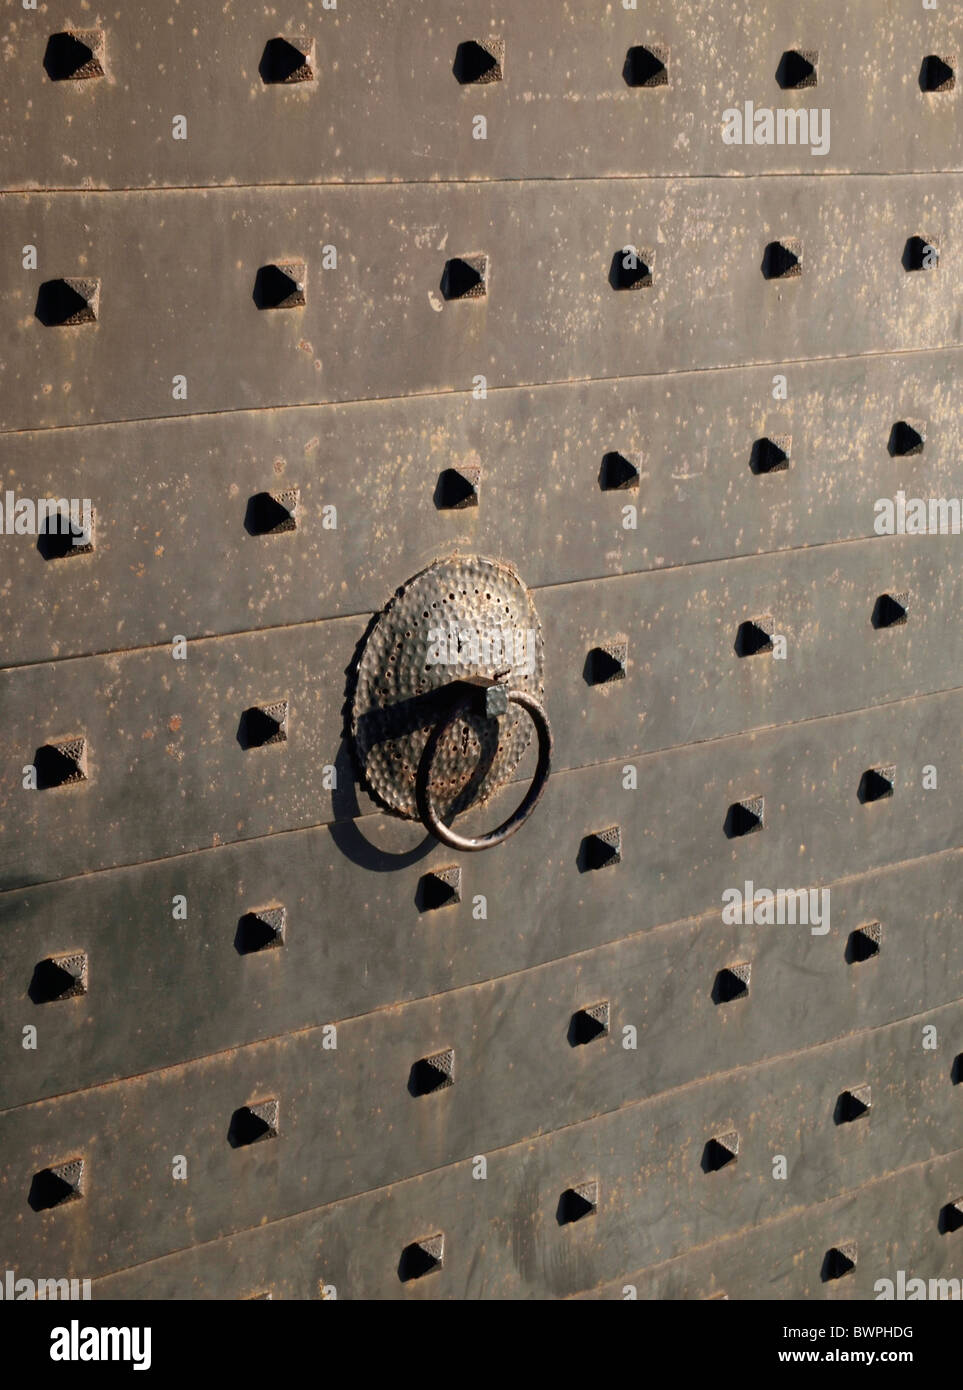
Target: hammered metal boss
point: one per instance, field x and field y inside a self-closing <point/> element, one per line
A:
<point x="448" y="690"/>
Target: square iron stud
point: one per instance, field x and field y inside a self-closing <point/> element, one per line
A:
<point x="288" y="59"/>
<point x="631" y="268"/>
<point x="69" y="301"/>
<point x="838" y="1261"/>
<point x="797" y="68"/>
<point x="646" y="65"/>
<point x="252" y="1123"/>
<point x="59" y="977"/>
<point x="589" y="1024"/>
<point x="281" y="285"/>
<point x="782" y="259"/>
<point x="745" y="817"/>
<point x="272" y="513"/>
<point x="617" y="473"/>
<point x="602" y="849"/>
<point x="906" y="438"/>
<point x="920" y="253"/>
<point x="956" y="1070"/>
<point x="260" y="930"/>
<point x="263" y="724"/>
<point x="62" y="536"/>
<point x="720" y="1151"/>
<point x="606" y="663"/>
<point x="951" y="1217"/>
<point x="440" y="888"/>
<point x="61" y="764"/>
<point x="465" y="277"/>
<point x="864" y="943"/>
<point x="577" y="1202"/>
<point x="853" y="1104"/>
<point x="754" y="636"/>
<point x="74" y="55"/>
<point x="478" y="61"/>
<point x="891" y="610"/>
<point x="422" y="1257"/>
<point x="57" y="1185"/>
<point x="938" y="74"/>
<point x="458" y="487"/>
<point x="732" y="982"/>
<point x="876" y="784"/>
<point x="434" y="1073"/>
<point x="771" y="454"/>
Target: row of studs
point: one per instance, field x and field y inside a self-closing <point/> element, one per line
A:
<point x="80" y="54"/>
<point x="69" y="301"/>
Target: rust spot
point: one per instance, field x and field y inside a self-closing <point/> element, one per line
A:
<point x="175" y="723"/>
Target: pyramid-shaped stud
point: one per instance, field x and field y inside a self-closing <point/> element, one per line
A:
<point x="68" y="301"/>
<point x="59" y="977"/>
<point x="440" y="888"/>
<point x="75" y="55"/>
<point x="272" y="513"/>
<point x="920" y="253"/>
<point x="720" y="1151"/>
<point x="745" y="817"/>
<point x="938" y="74"/>
<point x="63" y="534"/>
<point x="646" y="65"/>
<point x="754" y="636"/>
<point x="771" y="454"/>
<point x="589" y="1024"/>
<point x="578" y="1201"/>
<point x="62" y="763"/>
<point x="607" y="662"/>
<point x="798" y="68"/>
<point x="907" y="437"/>
<point x="465" y="277"/>
<point x="877" y="783"/>
<point x="458" y="487"/>
<point x="281" y="285"/>
<point x="250" y="1124"/>
<point x="839" y="1260"/>
<point x="632" y="268"/>
<point x="601" y="849"/>
<point x="853" y="1104"/>
<point x="951" y="1216"/>
<point x="956" y="1070"/>
<point x="618" y="473"/>
<point x="732" y="982"/>
<point x="264" y="724"/>
<point x="891" y="610"/>
<point x="261" y="930"/>
<point x="782" y="259"/>
<point x="288" y="59"/>
<point x="422" y="1257"/>
<point x="58" y="1184"/>
<point x="479" y="61"/>
<point x="864" y="943"/>
<point x="434" y="1073"/>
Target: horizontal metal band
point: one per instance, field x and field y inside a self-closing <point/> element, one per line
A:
<point x="380" y="98"/>
<point x="177" y="545"/>
<point x="182" y="287"/>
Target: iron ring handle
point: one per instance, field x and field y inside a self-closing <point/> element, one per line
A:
<point x="429" y="816"/>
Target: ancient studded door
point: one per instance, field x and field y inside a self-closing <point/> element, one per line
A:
<point x="418" y="414"/>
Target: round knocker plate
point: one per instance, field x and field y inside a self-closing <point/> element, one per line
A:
<point x="462" y="617"/>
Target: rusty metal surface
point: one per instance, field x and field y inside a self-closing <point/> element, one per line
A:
<point x="383" y="100"/>
<point x="178" y="530"/>
<point x="180" y="330"/>
<point x="302" y="305"/>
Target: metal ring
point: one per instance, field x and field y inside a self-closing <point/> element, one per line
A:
<point x="429" y="816"/>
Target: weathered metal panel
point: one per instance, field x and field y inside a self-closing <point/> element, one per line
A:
<point x="655" y="1199"/>
<point x="200" y="995"/>
<point x="179" y="288"/>
<point x="171" y="497"/>
<point x="385" y="103"/>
